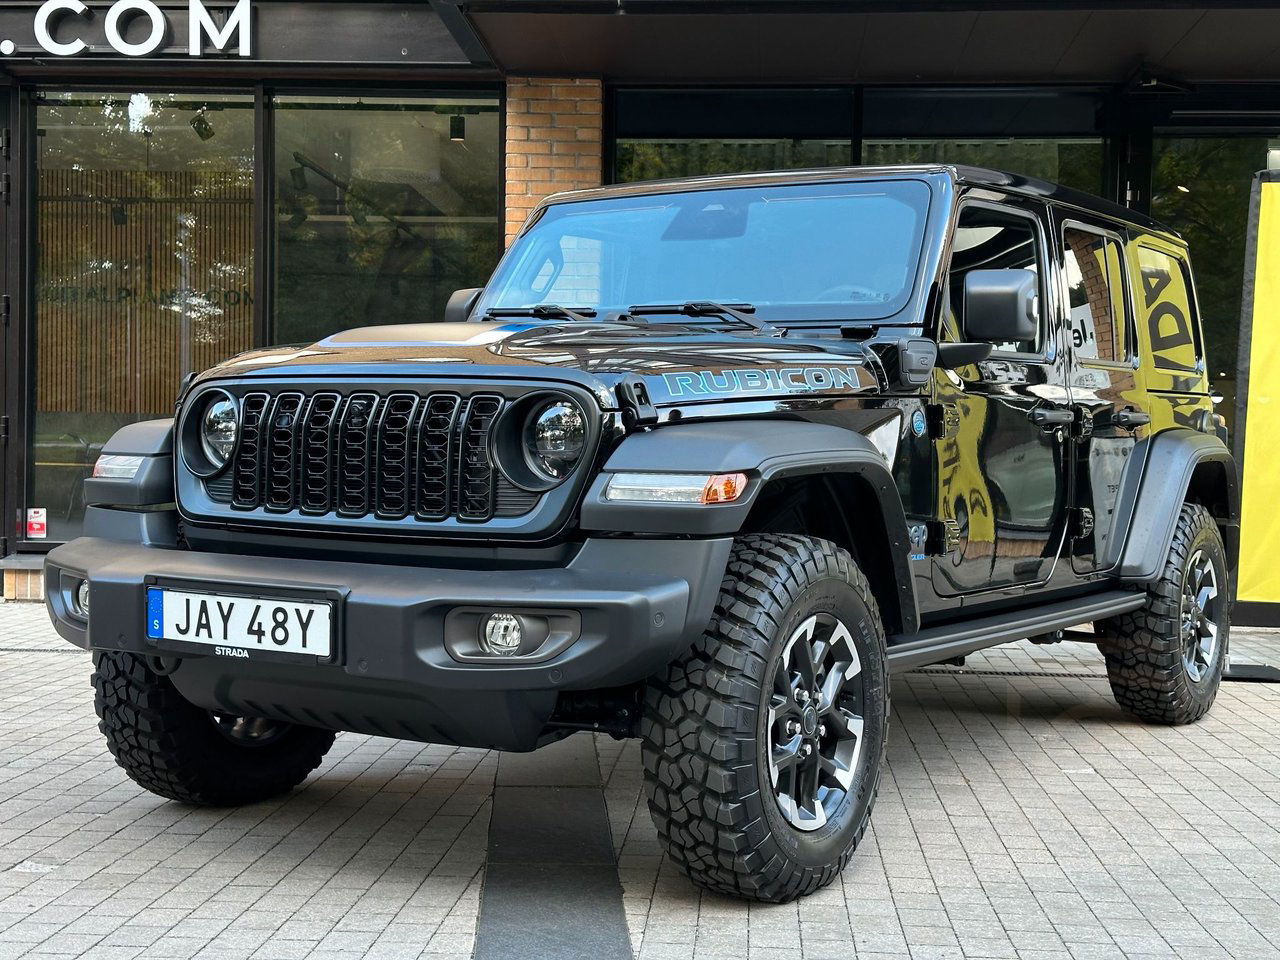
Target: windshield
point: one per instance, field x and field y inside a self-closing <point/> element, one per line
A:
<point x="806" y="252"/>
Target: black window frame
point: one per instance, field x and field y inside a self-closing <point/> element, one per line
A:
<point x="1008" y="205"/>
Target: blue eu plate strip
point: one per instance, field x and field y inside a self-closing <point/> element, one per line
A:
<point x="155" y="613"/>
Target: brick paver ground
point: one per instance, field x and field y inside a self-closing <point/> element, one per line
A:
<point x="1020" y="815"/>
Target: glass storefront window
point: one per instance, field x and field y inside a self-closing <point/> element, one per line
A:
<point x="664" y="159"/>
<point x="1200" y="187"/>
<point x="1071" y="161"/>
<point x="384" y="207"/>
<point x="143" y="269"/>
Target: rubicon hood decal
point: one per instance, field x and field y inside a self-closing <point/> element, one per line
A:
<point x="770" y="380"/>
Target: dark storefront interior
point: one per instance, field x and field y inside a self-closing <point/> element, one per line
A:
<point x="144" y="263"/>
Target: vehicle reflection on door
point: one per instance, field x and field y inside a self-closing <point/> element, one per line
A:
<point x="1000" y="475"/>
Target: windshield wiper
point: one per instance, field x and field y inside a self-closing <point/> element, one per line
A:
<point x="742" y="312"/>
<point x="580" y="314"/>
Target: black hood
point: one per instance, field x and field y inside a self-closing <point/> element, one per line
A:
<point x="679" y="363"/>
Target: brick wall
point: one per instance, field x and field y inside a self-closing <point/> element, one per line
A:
<point x="23" y="585"/>
<point x="1087" y="248"/>
<point x="553" y="141"/>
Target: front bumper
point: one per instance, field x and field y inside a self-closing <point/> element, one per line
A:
<point x="640" y="602"/>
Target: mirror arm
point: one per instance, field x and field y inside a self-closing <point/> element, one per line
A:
<point x="952" y="355"/>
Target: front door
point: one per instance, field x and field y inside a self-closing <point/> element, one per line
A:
<point x="1110" y="404"/>
<point x="1002" y="425"/>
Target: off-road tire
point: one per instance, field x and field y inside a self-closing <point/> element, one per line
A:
<point x="702" y="728"/>
<point x="1143" y="649"/>
<point x="173" y="748"/>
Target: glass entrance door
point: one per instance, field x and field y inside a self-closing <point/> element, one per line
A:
<point x="143" y="272"/>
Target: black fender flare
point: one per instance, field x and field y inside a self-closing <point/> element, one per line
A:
<point x="152" y="440"/>
<point x="1173" y="458"/>
<point x="765" y="450"/>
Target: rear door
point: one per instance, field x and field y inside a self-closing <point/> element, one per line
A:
<point x="1110" y="404"/>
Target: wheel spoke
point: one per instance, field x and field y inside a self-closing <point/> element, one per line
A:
<point x="785" y="755"/>
<point x="831" y="687"/>
<point x="805" y="663"/>
<point x="847" y="725"/>
<point x="836" y="772"/>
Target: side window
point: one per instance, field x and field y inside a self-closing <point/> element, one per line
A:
<point x="1095" y="288"/>
<point x="991" y="239"/>
<point x="1168" y="311"/>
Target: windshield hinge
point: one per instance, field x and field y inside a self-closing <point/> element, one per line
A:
<point x="637" y="409"/>
<point x="944" y="420"/>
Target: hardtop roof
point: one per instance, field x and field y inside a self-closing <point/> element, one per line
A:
<point x="958" y="173"/>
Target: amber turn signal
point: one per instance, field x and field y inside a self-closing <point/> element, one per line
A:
<point x="724" y="488"/>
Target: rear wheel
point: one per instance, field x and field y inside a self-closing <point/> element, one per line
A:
<point x="177" y="750"/>
<point x="762" y="745"/>
<point x="1165" y="660"/>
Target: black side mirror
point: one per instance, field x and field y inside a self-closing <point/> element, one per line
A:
<point x="1001" y="306"/>
<point x="461" y="303"/>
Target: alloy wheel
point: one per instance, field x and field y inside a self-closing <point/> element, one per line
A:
<point x="815" y="721"/>
<point x="1199" y="616"/>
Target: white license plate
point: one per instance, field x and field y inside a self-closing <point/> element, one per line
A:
<point x="233" y="623"/>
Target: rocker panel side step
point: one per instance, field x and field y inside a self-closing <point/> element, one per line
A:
<point x="935" y="644"/>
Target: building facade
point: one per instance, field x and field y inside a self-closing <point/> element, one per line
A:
<point x="185" y="180"/>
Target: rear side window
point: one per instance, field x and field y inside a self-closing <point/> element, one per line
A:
<point x="1096" y="295"/>
<point x="1168" y="312"/>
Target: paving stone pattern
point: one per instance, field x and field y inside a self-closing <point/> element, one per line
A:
<point x="1020" y="816"/>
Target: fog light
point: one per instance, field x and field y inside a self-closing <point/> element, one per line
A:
<point x="502" y="635"/>
<point x="82" y="597"/>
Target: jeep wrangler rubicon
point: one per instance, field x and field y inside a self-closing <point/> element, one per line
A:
<point x="704" y="463"/>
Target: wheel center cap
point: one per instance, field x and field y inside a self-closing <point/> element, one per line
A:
<point x="809" y="721"/>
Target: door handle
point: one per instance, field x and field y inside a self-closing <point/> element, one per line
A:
<point x="1051" y="418"/>
<point x="1128" y="419"/>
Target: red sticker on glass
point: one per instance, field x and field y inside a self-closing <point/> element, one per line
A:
<point x="37" y="523"/>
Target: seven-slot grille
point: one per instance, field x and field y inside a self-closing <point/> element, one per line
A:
<point x="359" y="454"/>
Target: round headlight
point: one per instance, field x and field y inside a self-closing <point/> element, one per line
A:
<point x="555" y="438"/>
<point x="219" y="427"/>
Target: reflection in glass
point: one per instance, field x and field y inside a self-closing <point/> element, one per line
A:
<point x="1200" y="187"/>
<point x="143" y="268"/>
<point x="1072" y="161"/>
<point x="383" y="208"/>
<point x="665" y="159"/>
<point x="851" y="251"/>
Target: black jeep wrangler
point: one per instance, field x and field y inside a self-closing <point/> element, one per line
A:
<point x="704" y="463"/>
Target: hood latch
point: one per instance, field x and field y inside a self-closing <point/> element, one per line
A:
<point x="637" y="409"/>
